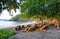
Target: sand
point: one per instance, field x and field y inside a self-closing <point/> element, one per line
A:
<point x="53" y="34"/>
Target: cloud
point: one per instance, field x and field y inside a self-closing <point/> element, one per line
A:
<point x="5" y="14"/>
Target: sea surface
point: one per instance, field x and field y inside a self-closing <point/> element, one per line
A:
<point x="6" y="23"/>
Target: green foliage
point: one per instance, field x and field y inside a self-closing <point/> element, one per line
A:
<point x="54" y="9"/>
<point x="9" y="4"/>
<point x="20" y="17"/>
<point x="24" y="17"/>
<point x="4" y="34"/>
<point x="16" y="18"/>
<point x="41" y="8"/>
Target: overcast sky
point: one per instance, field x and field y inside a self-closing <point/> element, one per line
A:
<point x="5" y="14"/>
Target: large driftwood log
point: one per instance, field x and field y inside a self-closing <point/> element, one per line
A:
<point x="43" y="28"/>
<point x="40" y="28"/>
<point x="32" y="28"/>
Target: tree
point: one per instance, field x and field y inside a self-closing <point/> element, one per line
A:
<point x="40" y="8"/>
<point x="32" y="8"/>
<point x="54" y="9"/>
<point x="36" y="7"/>
<point x="9" y="4"/>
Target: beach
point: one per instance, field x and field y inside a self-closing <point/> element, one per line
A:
<point x="48" y="34"/>
<point x="52" y="34"/>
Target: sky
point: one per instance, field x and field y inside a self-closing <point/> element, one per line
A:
<point x="5" y="14"/>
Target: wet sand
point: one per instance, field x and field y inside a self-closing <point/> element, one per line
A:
<point x="53" y="34"/>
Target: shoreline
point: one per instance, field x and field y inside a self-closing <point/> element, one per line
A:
<point x="7" y="24"/>
<point x="53" y="34"/>
<point x="9" y="28"/>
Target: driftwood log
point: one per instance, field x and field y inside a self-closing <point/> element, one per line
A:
<point x="17" y="28"/>
<point x="32" y="28"/>
<point x="43" y="28"/>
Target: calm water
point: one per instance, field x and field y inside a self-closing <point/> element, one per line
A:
<point x="6" y="24"/>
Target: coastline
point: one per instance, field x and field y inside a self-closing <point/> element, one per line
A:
<point x="7" y="24"/>
<point x="54" y="34"/>
<point x="9" y="28"/>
